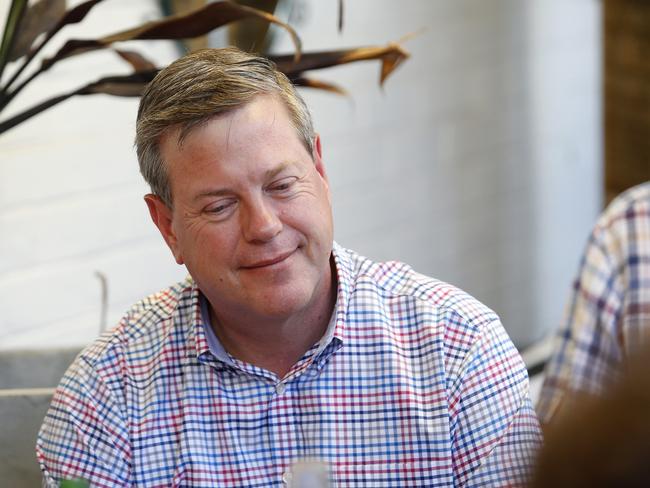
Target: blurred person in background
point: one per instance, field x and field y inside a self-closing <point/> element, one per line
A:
<point x="608" y="315"/>
<point x="601" y="440"/>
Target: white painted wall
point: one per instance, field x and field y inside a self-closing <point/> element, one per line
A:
<point x="478" y="163"/>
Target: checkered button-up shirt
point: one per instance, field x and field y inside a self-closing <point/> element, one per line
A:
<point x="414" y="383"/>
<point x="608" y="315"/>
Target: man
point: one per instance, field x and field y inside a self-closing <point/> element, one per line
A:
<point x="608" y="315"/>
<point x="284" y="355"/>
<point x="602" y="441"/>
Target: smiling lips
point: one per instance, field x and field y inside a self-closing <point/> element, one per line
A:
<point x="265" y="263"/>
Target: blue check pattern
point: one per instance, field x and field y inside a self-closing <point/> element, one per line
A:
<point x="415" y="383"/>
<point x="608" y="314"/>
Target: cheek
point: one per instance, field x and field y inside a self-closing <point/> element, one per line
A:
<point x="211" y="242"/>
<point x="328" y="194"/>
<point x="325" y="210"/>
<point x="317" y="223"/>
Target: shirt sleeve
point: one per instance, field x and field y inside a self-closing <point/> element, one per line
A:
<point x="587" y="351"/>
<point x="495" y="432"/>
<point x="84" y="434"/>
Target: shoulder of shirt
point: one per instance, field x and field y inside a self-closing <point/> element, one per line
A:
<point x="627" y="205"/>
<point x="145" y="323"/>
<point x="396" y="279"/>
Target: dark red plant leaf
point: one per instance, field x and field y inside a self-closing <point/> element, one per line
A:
<point x="198" y="22"/>
<point x="391" y="57"/>
<point x="39" y="17"/>
<point x="5" y="125"/>
<point x="124" y="86"/>
<point x="253" y="34"/>
<point x="78" y="13"/>
<point x="320" y="85"/>
<point x="136" y="60"/>
<point x="193" y="24"/>
<point x="72" y="16"/>
<point x="121" y="86"/>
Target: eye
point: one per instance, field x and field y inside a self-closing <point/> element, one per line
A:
<point x="220" y="208"/>
<point x="282" y="185"/>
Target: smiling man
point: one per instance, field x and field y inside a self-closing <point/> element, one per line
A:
<point x="283" y="356"/>
<point x="251" y="220"/>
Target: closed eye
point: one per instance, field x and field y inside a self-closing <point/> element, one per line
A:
<point x="220" y="208"/>
<point x="282" y="185"/>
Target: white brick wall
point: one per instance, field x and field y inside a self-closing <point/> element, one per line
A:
<point x="479" y="163"/>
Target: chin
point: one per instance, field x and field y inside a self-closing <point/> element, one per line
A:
<point x="284" y="304"/>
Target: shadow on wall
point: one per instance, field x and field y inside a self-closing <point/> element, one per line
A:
<point x="26" y="385"/>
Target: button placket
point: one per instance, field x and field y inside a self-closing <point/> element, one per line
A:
<point x="284" y="433"/>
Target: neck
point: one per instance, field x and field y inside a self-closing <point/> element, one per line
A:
<point x="275" y="343"/>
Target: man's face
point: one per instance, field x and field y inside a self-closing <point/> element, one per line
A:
<point x="252" y="217"/>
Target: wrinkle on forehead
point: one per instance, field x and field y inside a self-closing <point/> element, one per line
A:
<point x="228" y="133"/>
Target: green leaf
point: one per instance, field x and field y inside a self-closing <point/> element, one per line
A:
<point x="16" y="12"/>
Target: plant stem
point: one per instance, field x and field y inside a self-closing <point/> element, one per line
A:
<point x="30" y="56"/>
<point x="8" y="97"/>
<point x="35" y="110"/>
<point x="9" y="36"/>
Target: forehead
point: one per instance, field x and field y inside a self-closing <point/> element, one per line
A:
<point x="262" y="112"/>
<point x="260" y="132"/>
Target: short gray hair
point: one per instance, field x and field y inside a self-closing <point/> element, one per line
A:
<point x="199" y="86"/>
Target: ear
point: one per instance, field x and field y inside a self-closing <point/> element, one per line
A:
<point x="317" y="156"/>
<point x="162" y="216"/>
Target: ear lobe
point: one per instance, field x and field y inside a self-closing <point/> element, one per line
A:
<point x="162" y="217"/>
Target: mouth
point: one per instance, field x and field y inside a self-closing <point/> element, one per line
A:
<point x="268" y="262"/>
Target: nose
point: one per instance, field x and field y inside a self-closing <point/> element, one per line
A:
<point x="260" y="221"/>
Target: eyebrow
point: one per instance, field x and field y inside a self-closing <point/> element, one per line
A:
<point x="213" y="193"/>
<point x="272" y="173"/>
<point x="269" y="174"/>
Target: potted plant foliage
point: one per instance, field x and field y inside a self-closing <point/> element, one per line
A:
<point x="31" y="26"/>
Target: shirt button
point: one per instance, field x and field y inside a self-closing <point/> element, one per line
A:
<point x="280" y="388"/>
<point x="286" y="477"/>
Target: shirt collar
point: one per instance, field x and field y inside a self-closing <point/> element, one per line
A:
<point x="197" y="330"/>
<point x="214" y="344"/>
<point x="345" y="284"/>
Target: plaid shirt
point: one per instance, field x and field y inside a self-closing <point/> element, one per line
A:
<point x="608" y="315"/>
<point x="414" y="384"/>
